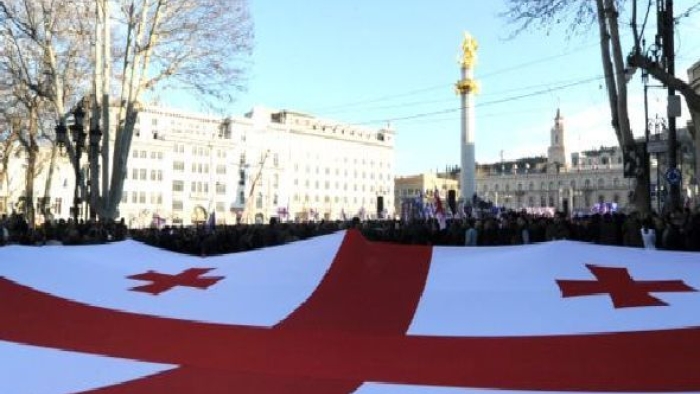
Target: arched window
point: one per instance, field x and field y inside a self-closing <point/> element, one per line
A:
<point x="601" y="183"/>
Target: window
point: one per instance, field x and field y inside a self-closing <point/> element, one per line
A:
<point x="177" y="205"/>
<point x="135" y="174"/>
<point x="179" y="166"/>
<point x="134" y="197"/>
<point x="259" y="201"/>
<point x="153" y="175"/>
<point x="143" y="174"/>
<point x="135" y="154"/>
<point x="220" y="188"/>
<point x="221" y="169"/>
<point x="178" y="186"/>
<point x="143" y="154"/>
<point x="601" y="183"/>
<point x="220" y="206"/>
<point x="142" y="198"/>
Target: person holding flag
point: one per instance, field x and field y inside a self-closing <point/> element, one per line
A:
<point x="439" y="210"/>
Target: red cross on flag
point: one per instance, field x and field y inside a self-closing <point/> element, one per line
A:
<point x="338" y="314"/>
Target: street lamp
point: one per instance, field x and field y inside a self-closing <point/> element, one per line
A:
<point x="78" y="133"/>
<point x="93" y="156"/>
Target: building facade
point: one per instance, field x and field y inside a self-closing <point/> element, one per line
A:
<point x="414" y="188"/>
<point x="184" y="166"/>
<point x="576" y="185"/>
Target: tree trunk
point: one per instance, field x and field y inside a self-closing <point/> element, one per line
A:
<point x="32" y="150"/>
<point x="608" y="67"/>
<point x="48" y="215"/>
<point x="610" y="31"/>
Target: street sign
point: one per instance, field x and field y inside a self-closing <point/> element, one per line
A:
<point x="657" y="146"/>
<point x="673" y="176"/>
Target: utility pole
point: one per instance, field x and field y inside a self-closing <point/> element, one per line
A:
<point x="666" y="31"/>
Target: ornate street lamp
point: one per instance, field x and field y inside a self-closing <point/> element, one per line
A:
<point x="78" y="133"/>
<point x="61" y="131"/>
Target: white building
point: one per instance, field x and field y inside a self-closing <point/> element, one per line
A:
<point x="182" y="166"/>
<point x="590" y="177"/>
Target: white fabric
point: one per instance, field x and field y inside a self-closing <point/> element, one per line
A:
<point x="28" y="369"/>
<point x="512" y="291"/>
<point x="485" y="291"/>
<point x="260" y="288"/>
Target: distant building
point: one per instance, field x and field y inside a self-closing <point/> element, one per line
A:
<point x="421" y="187"/>
<point x="577" y="185"/>
<point x="184" y="166"/>
<point x="694" y="78"/>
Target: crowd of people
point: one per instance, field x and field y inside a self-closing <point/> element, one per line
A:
<point x="678" y="230"/>
<point x="14" y="229"/>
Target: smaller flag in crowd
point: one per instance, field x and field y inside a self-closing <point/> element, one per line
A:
<point x="157" y="221"/>
<point x="211" y="222"/>
<point x="439" y="211"/>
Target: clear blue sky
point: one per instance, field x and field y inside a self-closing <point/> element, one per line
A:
<point x="368" y="62"/>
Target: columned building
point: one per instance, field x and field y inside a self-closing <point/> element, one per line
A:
<point x="184" y="166"/>
<point x="577" y="185"/>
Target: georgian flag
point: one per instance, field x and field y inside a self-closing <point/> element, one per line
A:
<point x="439" y="210"/>
<point x="338" y="314"/>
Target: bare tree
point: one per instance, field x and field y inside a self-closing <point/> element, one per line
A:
<point x="617" y="68"/>
<point x="200" y="46"/>
<point x="43" y="56"/>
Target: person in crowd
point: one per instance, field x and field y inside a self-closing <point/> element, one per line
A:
<point x="648" y="234"/>
<point x="471" y="234"/>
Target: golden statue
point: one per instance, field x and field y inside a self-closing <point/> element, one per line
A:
<point x="469" y="47"/>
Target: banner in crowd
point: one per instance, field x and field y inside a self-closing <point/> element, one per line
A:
<point x="338" y="314"/>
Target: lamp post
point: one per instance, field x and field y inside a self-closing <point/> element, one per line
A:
<point x="95" y="137"/>
<point x="78" y="134"/>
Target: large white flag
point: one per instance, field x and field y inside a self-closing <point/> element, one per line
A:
<point x="338" y="314"/>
